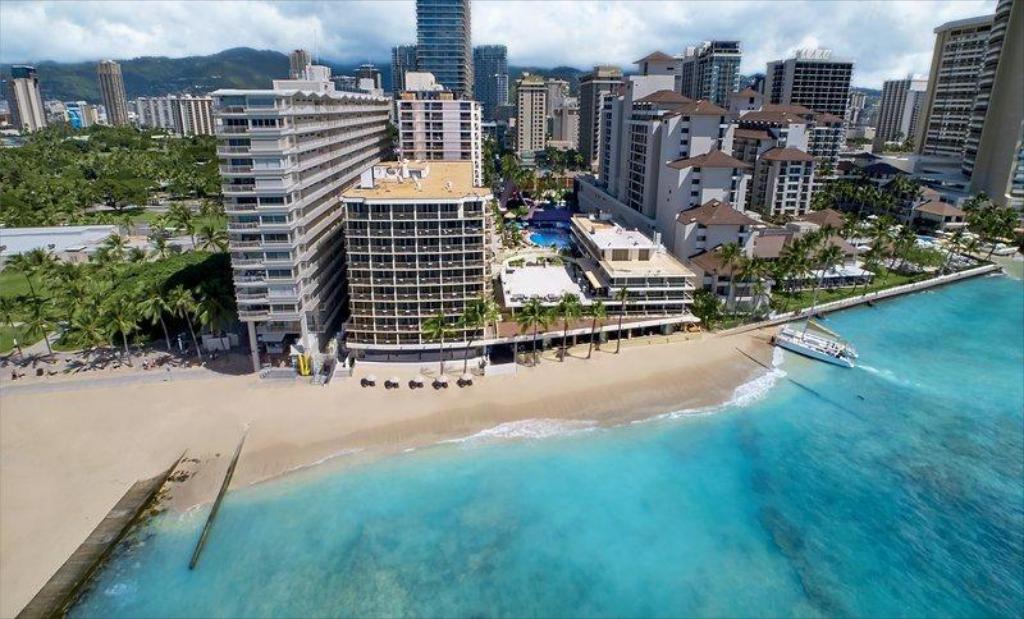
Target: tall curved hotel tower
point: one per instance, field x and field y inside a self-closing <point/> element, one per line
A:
<point x="24" y="100"/>
<point x="112" y="90"/>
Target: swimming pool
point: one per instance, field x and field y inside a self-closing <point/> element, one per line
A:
<point x="548" y="237"/>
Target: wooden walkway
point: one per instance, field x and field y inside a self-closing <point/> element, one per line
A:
<point x="63" y="588"/>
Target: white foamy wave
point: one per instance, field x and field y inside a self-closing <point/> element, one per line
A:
<point x="742" y="396"/>
<point x="337" y="454"/>
<point x="526" y="429"/>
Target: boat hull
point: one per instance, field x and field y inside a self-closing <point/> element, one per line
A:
<point x="813" y="354"/>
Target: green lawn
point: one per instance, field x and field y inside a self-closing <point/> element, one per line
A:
<point x="802" y="299"/>
<point x="12" y="284"/>
<point x="7" y="335"/>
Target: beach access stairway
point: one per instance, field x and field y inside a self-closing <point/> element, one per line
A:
<point x="865" y="298"/>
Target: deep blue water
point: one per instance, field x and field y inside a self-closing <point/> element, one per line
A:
<point x="890" y="490"/>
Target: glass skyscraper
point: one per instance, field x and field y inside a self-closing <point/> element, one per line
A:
<point x="443" y="43"/>
<point x="490" y="71"/>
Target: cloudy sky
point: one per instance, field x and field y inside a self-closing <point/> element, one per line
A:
<point x="886" y="39"/>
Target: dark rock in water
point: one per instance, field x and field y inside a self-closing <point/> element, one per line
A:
<point x="759" y="481"/>
<point x="790" y="542"/>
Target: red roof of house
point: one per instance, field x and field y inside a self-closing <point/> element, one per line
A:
<point x="747" y="92"/>
<point x="825" y="217"/>
<point x="664" y="96"/>
<point x="752" y="134"/>
<point x="716" y="213"/>
<point x="786" y="154"/>
<point x="942" y="209"/>
<point x="714" y="159"/>
<point x="701" y="107"/>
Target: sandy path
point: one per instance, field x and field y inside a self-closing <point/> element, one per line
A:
<point x="66" y="457"/>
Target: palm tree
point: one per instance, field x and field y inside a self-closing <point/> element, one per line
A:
<point x="850" y="226"/>
<point x="568" y="309"/>
<point x="479" y="313"/>
<point x="707" y="308"/>
<point x="183" y="305"/>
<point x="88" y="328"/>
<point x="7" y="309"/>
<point x="954" y="244"/>
<point x="152" y="307"/>
<point x="905" y="241"/>
<point x="596" y="311"/>
<point x="38" y="323"/>
<point x="533" y="315"/>
<point x="622" y="296"/>
<point x="212" y="238"/>
<point x="730" y="255"/>
<point x="881" y="237"/>
<point x="437" y="327"/>
<point x="827" y="258"/>
<point x="31" y="263"/>
<point x="753" y="270"/>
<point x="180" y="216"/>
<point x="160" y="248"/>
<point x="214" y="308"/>
<point x="116" y="246"/>
<point x="121" y="317"/>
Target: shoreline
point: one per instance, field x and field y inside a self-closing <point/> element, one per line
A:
<point x="68" y="455"/>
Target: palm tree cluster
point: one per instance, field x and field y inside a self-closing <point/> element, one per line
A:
<point x="534" y="316"/>
<point x="990" y="222"/>
<point x="864" y="197"/>
<point x="116" y="296"/>
<point x="477" y="316"/>
<point x="61" y="173"/>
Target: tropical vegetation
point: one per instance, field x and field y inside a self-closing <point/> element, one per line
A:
<point x="63" y="175"/>
<point x="116" y="299"/>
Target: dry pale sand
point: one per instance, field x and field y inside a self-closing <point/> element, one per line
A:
<point x="66" y="457"/>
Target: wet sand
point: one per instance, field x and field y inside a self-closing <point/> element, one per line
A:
<point x="66" y="457"/>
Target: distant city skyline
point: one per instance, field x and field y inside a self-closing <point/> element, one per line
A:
<point x="886" y="40"/>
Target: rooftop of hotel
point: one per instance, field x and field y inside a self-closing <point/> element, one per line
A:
<point x="417" y="180"/>
<point x="609" y="235"/>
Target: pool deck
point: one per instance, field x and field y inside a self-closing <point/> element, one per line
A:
<point x="63" y="588"/>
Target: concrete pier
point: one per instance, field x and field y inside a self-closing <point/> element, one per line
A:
<point x="63" y="588"/>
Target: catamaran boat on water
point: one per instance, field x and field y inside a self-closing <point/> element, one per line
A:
<point x="820" y="344"/>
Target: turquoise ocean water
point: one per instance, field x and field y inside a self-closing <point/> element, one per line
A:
<point x="891" y="490"/>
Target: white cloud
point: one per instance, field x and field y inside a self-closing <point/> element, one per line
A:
<point x="885" y="38"/>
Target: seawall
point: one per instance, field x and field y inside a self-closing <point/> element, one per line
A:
<point x="63" y="588"/>
<point x="864" y="298"/>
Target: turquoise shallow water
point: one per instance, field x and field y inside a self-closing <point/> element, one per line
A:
<point x="892" y="490"/>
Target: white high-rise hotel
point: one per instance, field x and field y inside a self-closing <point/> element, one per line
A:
<point x="286" y="155"/>
<point x="182" y="114"/>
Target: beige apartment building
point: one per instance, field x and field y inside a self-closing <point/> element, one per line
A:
<point x="435" y="126"/>
<point x="531" y="114"/>
<point x="418" y="237"/>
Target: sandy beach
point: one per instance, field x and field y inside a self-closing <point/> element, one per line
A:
<point x="67" y="456"/>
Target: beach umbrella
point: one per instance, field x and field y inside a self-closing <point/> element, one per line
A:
<point x="394" y="380"/>
<point x="370" y="378"/>
<point x="467" y="378"/>
<point x="418" y="380"/>
<point x="441" y="381"/>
